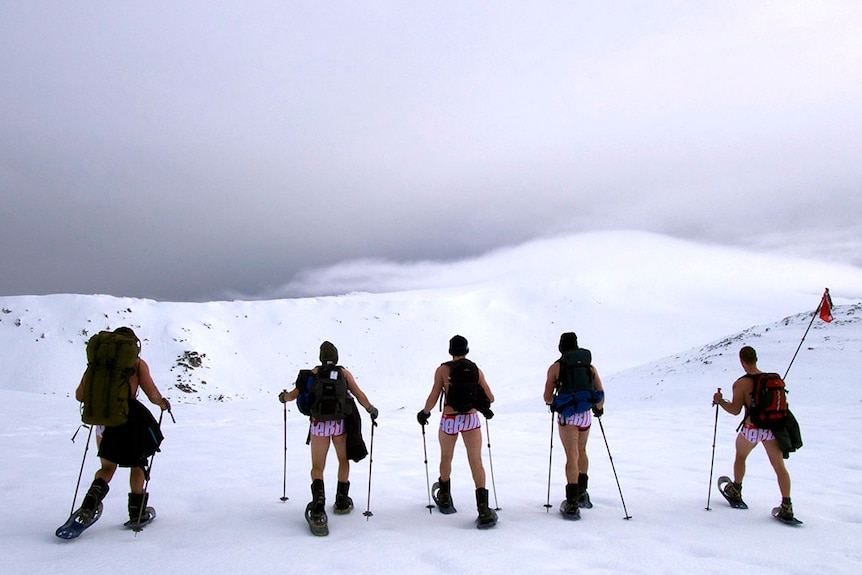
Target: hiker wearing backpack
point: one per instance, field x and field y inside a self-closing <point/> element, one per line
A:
<point x="326" y="394"/>
<point x="126" y="444"/>
<point x="750" y="435"/>
<point x="466" y="394"/>
<point x="573" y="389"/>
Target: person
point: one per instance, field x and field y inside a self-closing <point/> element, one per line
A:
<point x="574" y="418"/>
<point x="464" y="420"/>
<point x="322" y="432"/>
<point x="749" y="436"/>
<point x="121" y="445"/>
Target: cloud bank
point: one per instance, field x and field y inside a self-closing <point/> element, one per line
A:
<point x="186" y="152"/>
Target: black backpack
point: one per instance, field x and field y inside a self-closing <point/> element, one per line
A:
<point x="328" y="394"/>
<point x="768" y="409"/>
<point x="576" y="373"/>
<point x="576" y="388"/>
<point x="464" y="393"/>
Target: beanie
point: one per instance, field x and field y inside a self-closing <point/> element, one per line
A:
<point x="328" y="353"/>
<point x="458" y="346"/>
<point x="568" y="342"/>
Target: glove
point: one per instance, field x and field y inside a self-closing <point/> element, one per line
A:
<point x="422" y="417"/>
<point x="166" y="405"/>
<point x="598" y="411"/>
<point x="282" y="397"/>
<point x="486" y="411"/>
<point x="373" y="412"/>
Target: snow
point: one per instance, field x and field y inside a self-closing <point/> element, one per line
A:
<point x="663" y="318"/>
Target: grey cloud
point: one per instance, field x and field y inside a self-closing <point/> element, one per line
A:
<point x="230" y="151"/>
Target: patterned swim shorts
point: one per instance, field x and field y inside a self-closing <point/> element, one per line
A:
<point x="453" y="424"/>
<point x="755" y="434"/>
<point x="582" y="420"/>
<point x="327" y="428"/>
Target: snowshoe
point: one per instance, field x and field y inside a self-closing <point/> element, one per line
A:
<point x="487" y="521"/>
<point x="570" y="511"/>
<point x="785" y="515"/>
<point x="343" y="507"/>
<point x="317" y="522"/>
<point x="443" y="501"/>
<point x="730" y="492"/>
<point x="584" y="501"/>
<point x="78" y="522"/>
<point x="146" y="518"/>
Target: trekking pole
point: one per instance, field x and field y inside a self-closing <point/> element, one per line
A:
<point x="427" y="479"/>
<point x="712" y="462"/>
<point x="368" y="512"/>
<point x="147" y="476"/>
<point x="550" y="460"/>
<point x="813" y="317"/>
<point x="83" y="459"/>
<point x="491" y="464"/>
<point x="284" y="480"/>
<point x="605" y="437"/>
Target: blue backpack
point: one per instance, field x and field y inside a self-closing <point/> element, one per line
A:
<point x="303" y="384"/>
<point x="576" y="388"/>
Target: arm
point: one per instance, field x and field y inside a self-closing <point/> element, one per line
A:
<point x="286" y="396"/>
<point x="733" y="407"/>
<point x="551" y="383"/>
<point x="357" y="393"/>
<point x="597" y="381"/>
<point x="440" y="376"/>
<point x="79" y="392"/>
<point x="146" y="383"/>
<point x="485" y="387"/>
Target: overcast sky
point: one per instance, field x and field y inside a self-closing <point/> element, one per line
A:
<point x="199" y="150"/>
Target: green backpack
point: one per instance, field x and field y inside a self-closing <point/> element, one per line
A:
<point x="112" y="357"/>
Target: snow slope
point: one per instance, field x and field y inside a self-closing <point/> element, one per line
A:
<point x="663" y="318"/>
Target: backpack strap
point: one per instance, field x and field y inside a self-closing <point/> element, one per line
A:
<point x="754" y="379"/>
<point x="561" y="372"/>
<point x="442" y="401"/>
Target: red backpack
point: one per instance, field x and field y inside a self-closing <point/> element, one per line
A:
<point x="768" y="409"/>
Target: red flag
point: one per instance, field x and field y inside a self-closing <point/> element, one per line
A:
<point x="826" y="307"/>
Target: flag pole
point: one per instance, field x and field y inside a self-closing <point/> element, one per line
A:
<point x="823" y="300"/>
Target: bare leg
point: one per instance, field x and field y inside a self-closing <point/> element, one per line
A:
<point x="743" y="448"/>
<point x="473" y="443"/>
<point x="776" y="458"/>
<point x="570" y="438"/>
<point x="136" y="480"/>
<point x="339" y="442"/>
<point x="319" y="449"/>
<point x="106" y="472"/>
<point x="583" y="460"/>
<point x="447" y="450"/>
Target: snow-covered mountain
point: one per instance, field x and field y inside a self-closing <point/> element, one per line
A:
<point x="664" y="319"/>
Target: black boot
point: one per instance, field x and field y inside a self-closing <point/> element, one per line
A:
<point x="785" y="510"/>
<point x="569" y="508"/>
<point x="583" y="495"/>
<point x="343" y="503"/>
<point x="318" y="496"/>
<point x="733" y="492"/>
<point x="91" y="506"/>
<point x="139" y="513"/>
<point x="315" y="511"/>
<point x="487" y="516"/>
<point x="444" y="493"/>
